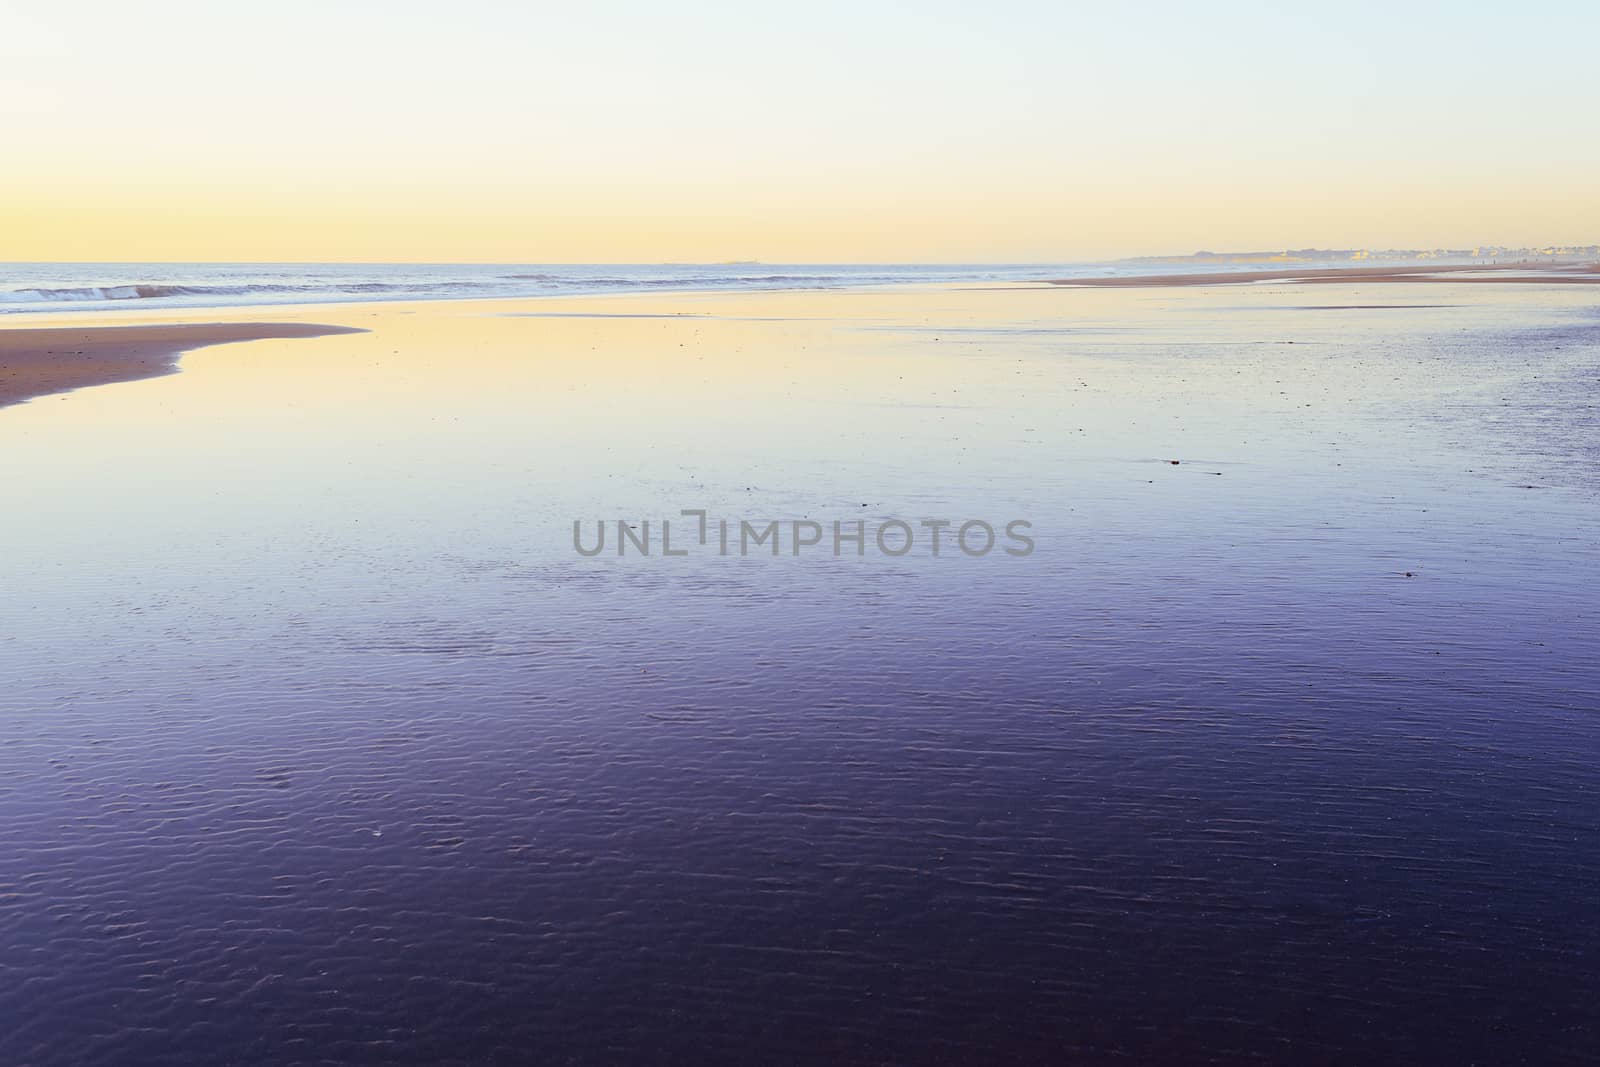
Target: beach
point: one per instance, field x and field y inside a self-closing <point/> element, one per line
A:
<point x="836" y="534"/>
<point x="321" y="742"/>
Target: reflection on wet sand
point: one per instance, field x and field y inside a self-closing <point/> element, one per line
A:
<point x="318" y="738"/>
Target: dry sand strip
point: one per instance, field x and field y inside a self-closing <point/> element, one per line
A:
<point x="1541" y="273"/>
<point x="38" y="361"/>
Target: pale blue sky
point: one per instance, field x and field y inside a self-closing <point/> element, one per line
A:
<point x="1026" y="130"/>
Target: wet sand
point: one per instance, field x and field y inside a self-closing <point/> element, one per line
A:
<point x="39" y="361"/>
<point x="1539" y="273"/>
<point x="314" y="723"/>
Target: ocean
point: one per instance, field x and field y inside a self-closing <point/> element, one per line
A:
<point x="121" y="286"/>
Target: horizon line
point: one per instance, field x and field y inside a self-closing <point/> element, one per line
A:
<point x="1470" y="250"/>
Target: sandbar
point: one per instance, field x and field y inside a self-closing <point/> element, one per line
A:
<point x="38" y="361"/>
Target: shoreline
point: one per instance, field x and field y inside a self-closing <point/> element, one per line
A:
<point x="1562" y="273"/>
<point x="60" y="357"/>
<point x="1520" y="273"/>
<point x="46" y="360"/>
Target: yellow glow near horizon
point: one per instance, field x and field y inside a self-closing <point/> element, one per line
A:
<point x="628" y="132"/>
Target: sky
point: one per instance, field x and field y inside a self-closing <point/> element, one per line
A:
<point x="820" y="132"/>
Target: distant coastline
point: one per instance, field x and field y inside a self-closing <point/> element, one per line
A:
<point x="1548" y="273"/>
<point x="1485" y="255"/>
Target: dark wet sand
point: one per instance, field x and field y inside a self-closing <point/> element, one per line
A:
<point x="38" y="361"/>
<point x="319" y="739"/>
<point x="1540" y="273"/>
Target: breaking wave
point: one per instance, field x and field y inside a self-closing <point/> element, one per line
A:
<point x="157" y="292"/>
